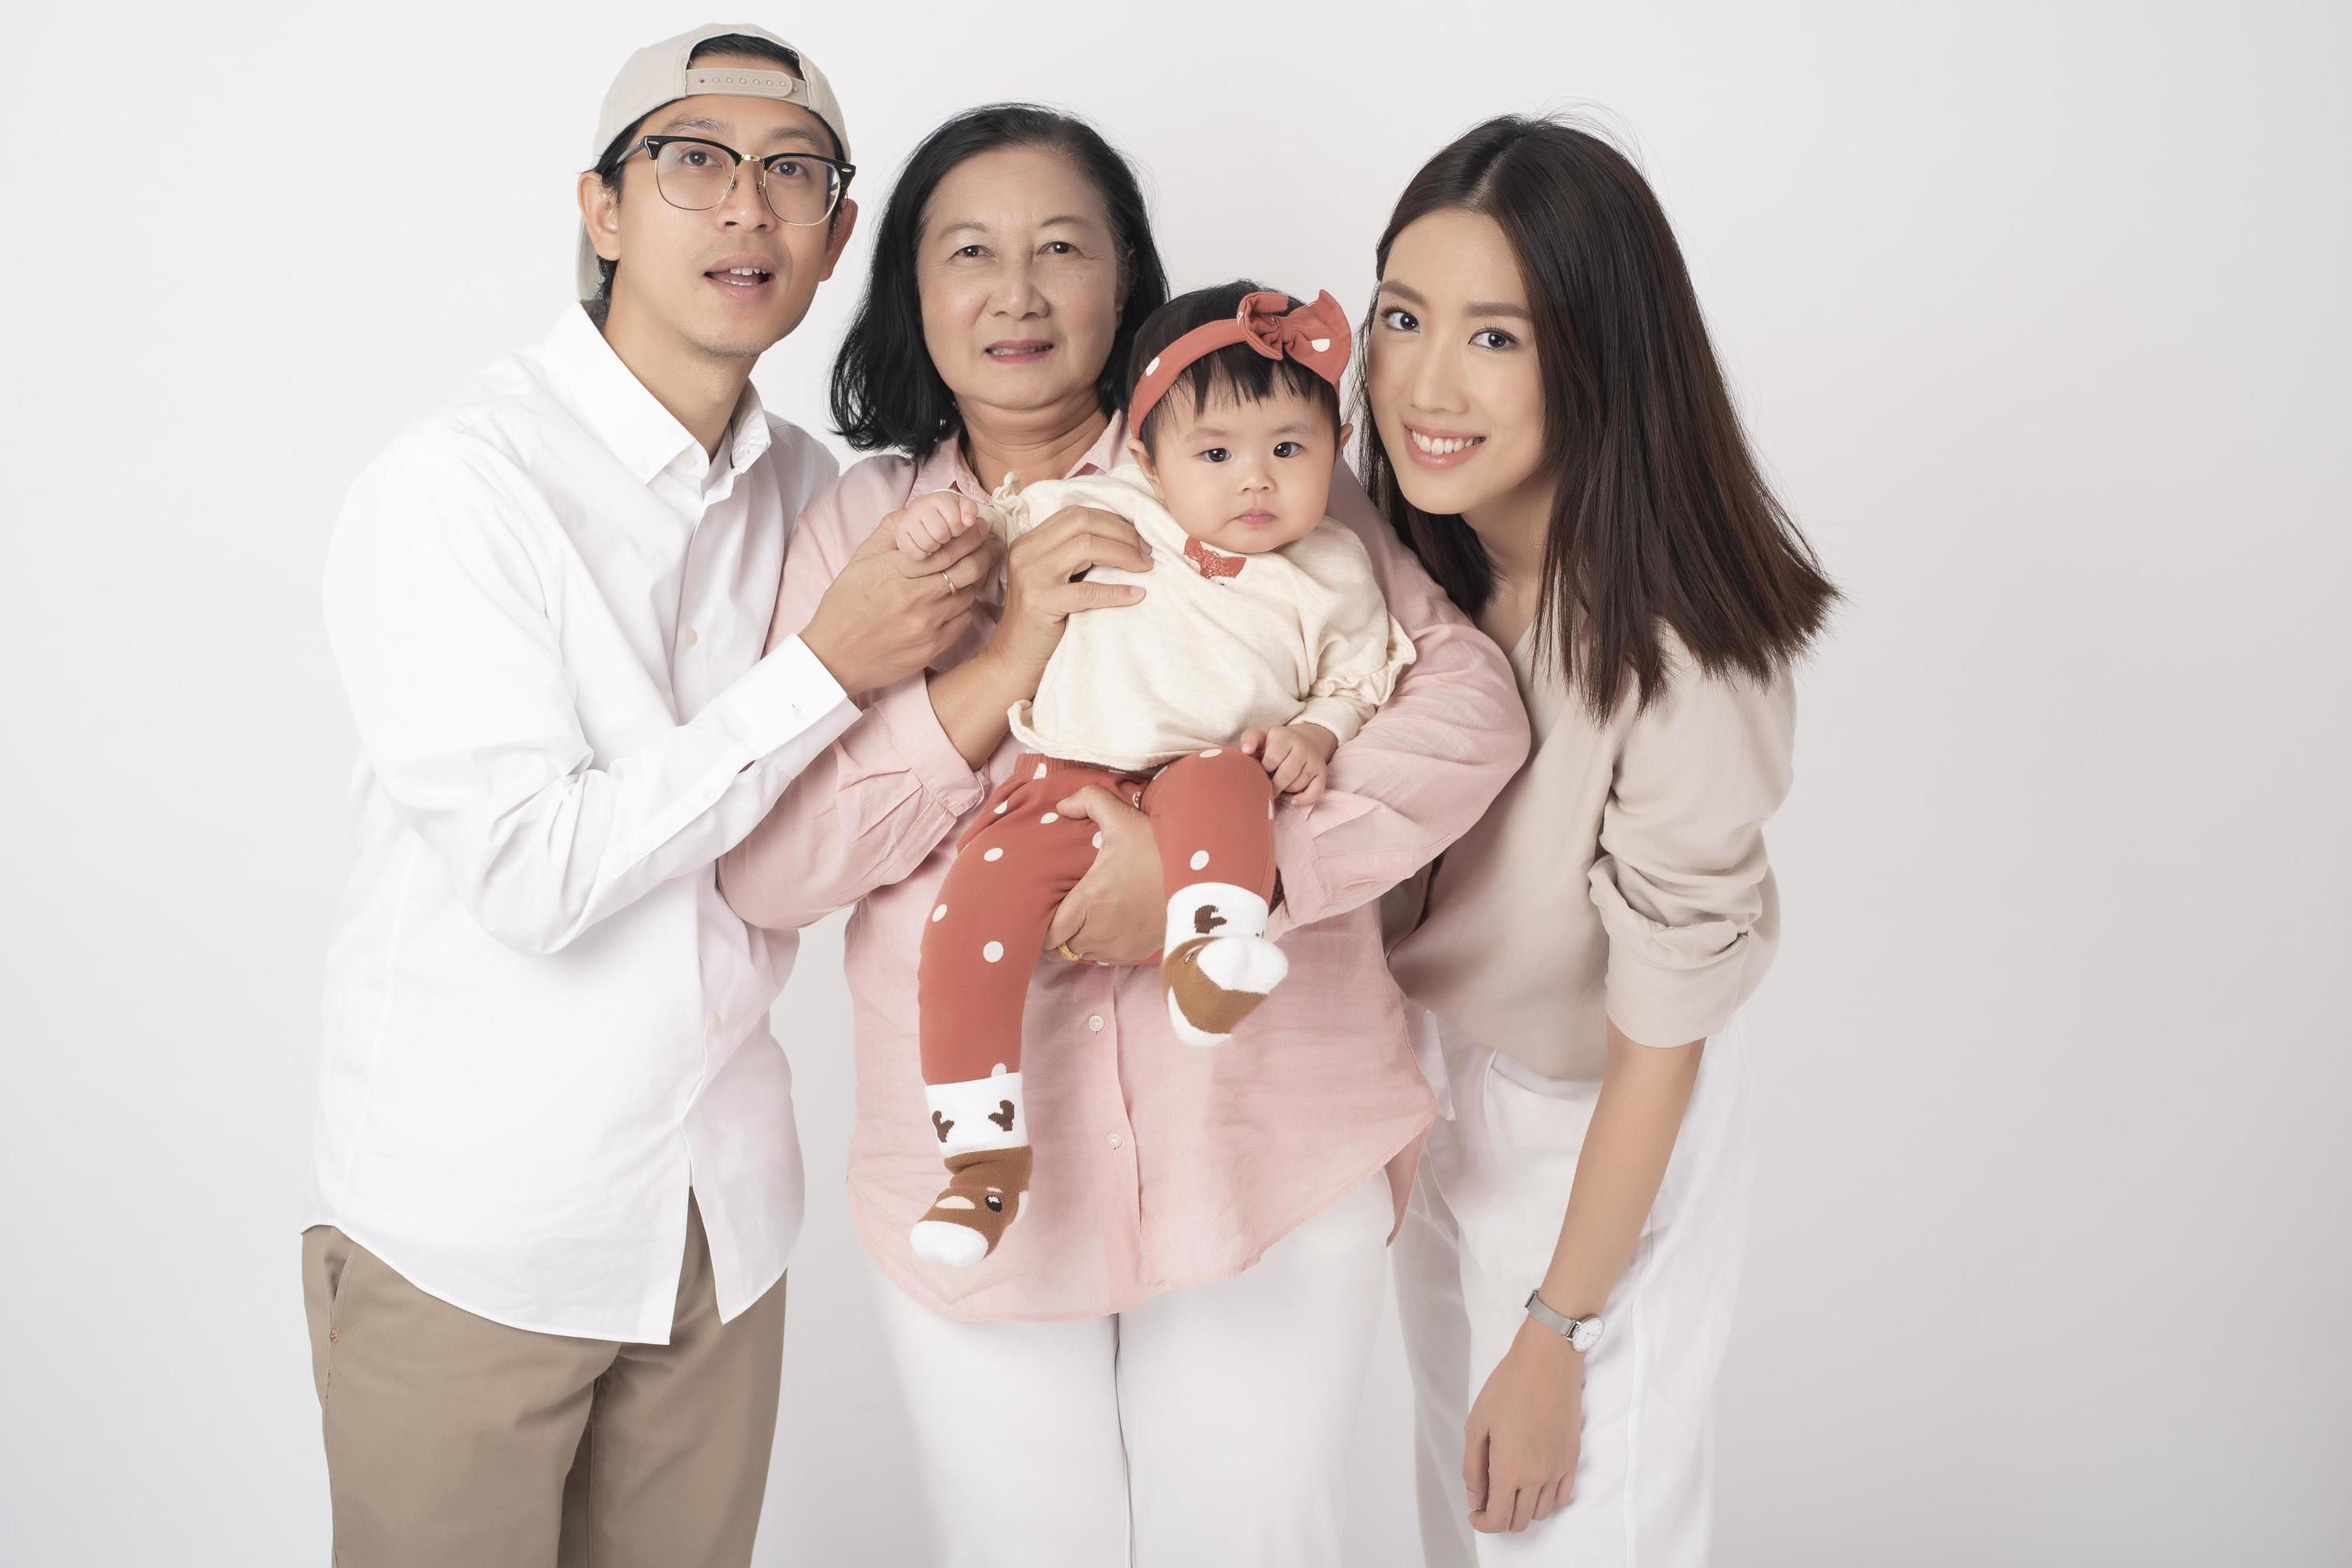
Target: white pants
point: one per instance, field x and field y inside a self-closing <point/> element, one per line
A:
<point x="1207" y="1426"/>
<point x="1479" y="1237"/>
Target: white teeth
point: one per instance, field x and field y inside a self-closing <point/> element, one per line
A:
<point x="1439" y="449"/>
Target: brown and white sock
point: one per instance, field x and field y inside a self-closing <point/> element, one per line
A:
<point x="1217" y="964"/>
<point x="984" y="1137"/>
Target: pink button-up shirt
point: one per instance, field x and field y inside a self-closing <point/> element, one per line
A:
<point x="1157" y="1165"/>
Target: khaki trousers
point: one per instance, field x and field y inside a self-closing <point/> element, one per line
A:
<point x="453" y="1441"/>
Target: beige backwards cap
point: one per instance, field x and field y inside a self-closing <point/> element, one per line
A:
<point x="661" y="74"/>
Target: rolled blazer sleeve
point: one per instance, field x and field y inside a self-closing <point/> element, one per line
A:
<point x="867" y="810"/>
<point x="1423" y="768"/>
<point x="1683" y="885"/>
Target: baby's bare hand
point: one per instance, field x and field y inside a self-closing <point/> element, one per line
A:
<point x="925" y="523"/>
<point x="1297" y="757"/>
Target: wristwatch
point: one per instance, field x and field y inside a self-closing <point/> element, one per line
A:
<point x="1582" y="1333"/>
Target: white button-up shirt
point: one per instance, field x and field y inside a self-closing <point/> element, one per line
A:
<point x="542" y="1022"/>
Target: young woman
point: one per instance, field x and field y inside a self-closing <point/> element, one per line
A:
<point x="1167" y="1352"/>
<point x="1551" y="433"/>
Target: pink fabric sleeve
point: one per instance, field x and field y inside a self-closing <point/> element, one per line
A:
<point x="868" y="810"/>
<point x="1423" y="768"/>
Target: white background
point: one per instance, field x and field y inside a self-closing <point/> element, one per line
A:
<point x="2038" y="315"/>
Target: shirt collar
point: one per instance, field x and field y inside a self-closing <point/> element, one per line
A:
<point x="629" y="418"/>
<point x="943" y="466"/>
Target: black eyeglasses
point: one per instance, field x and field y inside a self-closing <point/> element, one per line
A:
<point x="800" y="188"/>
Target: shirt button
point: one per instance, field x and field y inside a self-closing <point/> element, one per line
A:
<point x="717" y="1023"/>
<point x="1116" y="1140"/>
<point x="692" y="636"/>
<point x="1095" y="1023"/>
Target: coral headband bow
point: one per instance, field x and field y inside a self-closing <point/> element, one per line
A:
<point x="1315" y="335"/>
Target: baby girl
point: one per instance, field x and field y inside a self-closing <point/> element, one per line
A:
<point x="1261" y="643"/>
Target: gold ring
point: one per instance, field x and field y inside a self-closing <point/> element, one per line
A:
<point x="948" y="580"/>
<point x="1065" y="951"/>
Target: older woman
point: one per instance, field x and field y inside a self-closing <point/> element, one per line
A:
<point x="1168" y="1350"/>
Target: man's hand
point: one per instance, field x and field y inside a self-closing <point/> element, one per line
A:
<point x="1118" y="911"/>
<point x="1297" y="756"/>
<point x="1519" y="1445"/>
<point x="889" y="614"/>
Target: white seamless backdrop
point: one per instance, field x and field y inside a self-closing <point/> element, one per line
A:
<point x="2037" y="314"/>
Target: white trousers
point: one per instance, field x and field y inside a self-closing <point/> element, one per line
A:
<point x="1207" y="1426"/>
<point x="1479" y="1237"/>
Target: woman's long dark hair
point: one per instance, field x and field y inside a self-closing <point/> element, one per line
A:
<point x="886" y="394"/>
<point x="1660" y="513"/>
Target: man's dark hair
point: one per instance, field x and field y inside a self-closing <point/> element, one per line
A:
<point x="886" y="394"/>
<point x="1236" y="371"/>
<point x="608" y="167"/>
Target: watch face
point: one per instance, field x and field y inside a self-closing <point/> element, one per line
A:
<point x="1586" y="1334"/>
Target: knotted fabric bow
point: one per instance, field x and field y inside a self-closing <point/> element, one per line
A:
<point x="1315" y="335"/>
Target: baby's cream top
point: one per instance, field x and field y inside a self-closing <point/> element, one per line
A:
<point x="1219" y="643"/>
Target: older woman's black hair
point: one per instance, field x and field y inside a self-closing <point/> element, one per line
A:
<point x="1236" y="371"/>
<point x="887" y="394"/>
<point x="1661" y="513"/>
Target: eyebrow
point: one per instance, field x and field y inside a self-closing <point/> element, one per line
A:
<point x="1219" y="433"/>
<point x="977" y="227"/>
<point x="786" y="133"/>
<point x="1411" y="296"/>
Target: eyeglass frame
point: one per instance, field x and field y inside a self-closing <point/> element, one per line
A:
<point x="651" y="147"/>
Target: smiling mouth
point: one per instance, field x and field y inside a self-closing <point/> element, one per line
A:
<point x="1016" y="350"/>
<point x="1443" y="446"/>
<point x="740" y="277"/>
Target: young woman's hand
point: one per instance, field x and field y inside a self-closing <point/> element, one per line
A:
<point x="1518" y="1451"/>
<point x="1040" y="593"/>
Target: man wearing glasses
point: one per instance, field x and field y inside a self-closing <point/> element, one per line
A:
<point x="557" y="1178"/>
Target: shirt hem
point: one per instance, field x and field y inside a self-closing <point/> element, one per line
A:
<point x="908" y="1281"/>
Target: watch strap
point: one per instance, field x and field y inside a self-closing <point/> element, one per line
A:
<point x="1564" y="1326"/>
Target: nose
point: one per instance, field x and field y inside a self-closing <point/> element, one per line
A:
<point x="1016" y="293"/>
<point x="1430" y="379"/>
<point x="746" y="205"/>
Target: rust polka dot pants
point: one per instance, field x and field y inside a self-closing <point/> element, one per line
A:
<point x="1213" y="816"/>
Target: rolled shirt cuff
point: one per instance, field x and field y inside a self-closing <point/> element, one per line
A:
<point x="906" y="716"/>
<point x="1668" y="985"/>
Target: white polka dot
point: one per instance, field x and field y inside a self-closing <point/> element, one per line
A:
<point x="995" y="854"/>
<point x="1098" y="840"/>
<point x="992" y="951"/>
<point x="1049" y="819"/>
<point x="1005" y="807"/>
<point x="1212" y="751"/>
<point x="1320" y="345"/>
<point x="1200" y="859"/>
<point x="1152" y="366"/>
<point x="1040" y="773"/>
<point x="941" y="914"/>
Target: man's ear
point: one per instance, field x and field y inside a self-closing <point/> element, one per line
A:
<point x="844" y="224"/>
<point x="599" y="211"/>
